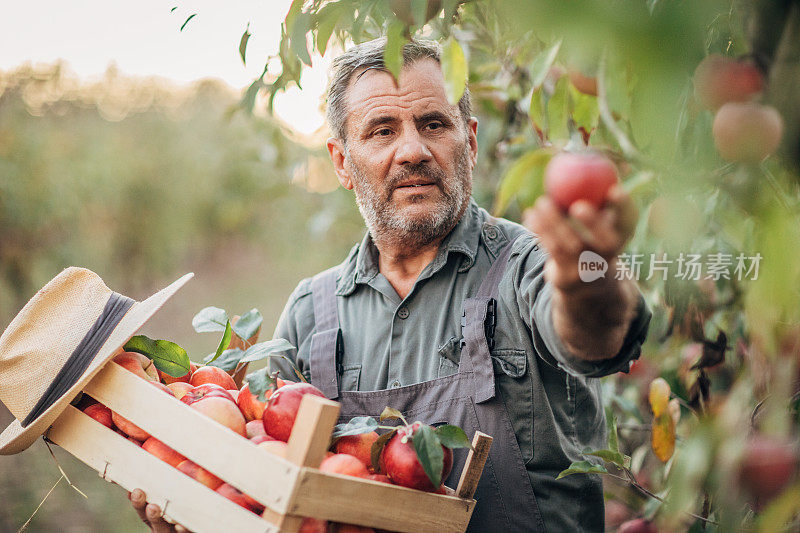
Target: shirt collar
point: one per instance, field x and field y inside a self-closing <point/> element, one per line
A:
<point x="361" y="265"/>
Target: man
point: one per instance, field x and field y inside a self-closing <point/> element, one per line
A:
<point x="454" y="316"/>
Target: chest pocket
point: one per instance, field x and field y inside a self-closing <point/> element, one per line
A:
<point x="511" y="363"/>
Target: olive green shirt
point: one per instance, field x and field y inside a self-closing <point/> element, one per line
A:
<point x="552" y="397"/>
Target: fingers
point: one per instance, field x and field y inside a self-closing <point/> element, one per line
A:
<point x="156" y="519"/>
<point x="550" y="224"/>
<point x="139" y="502"/>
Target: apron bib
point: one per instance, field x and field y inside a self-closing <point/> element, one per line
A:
<point x="468" y="399"/>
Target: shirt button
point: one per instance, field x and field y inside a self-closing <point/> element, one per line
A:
<point x="395" y="384"/>
<point x="491" y="233"/>
<point x="403" y="312"/>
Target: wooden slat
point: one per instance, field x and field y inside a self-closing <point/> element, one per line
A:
<point x="380" y="505"/>
<point x="311" y="434"/>
<point x="183" y="499"/>
<point x="473" y="467"/>
<point x="266" y="477"/>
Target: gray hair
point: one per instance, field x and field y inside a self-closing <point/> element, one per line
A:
<point x="369" y="55"/>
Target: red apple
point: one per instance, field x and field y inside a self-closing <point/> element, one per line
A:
<point x="747" y="132"/>
<point x="240" y="498"/>
<point x="138" y="364"/>
<point x="342" y="463"/>
<point x="222" y="410"/>
<point x="313" y="525"/>
<point x="209" y="390"/>
<point x="768" y="466"/>
<point x="359" y="446"/>
<point x="352" y="528"/>
<point x="167" y="379"/>
<point x="163" y="452"/>
<point x="248" y="403"/>
<point x="402" y="465"/>
<point x="380" y="477"/>
<point x="101" y="413"/>
<point x="212" y="374"/>
<point x="255" y="428"/>
<point x="277" y="447"/>
<point x="179" y="388"/>
<point x="719" y="80"/>
<point x="199" y="473"/>
<point x="588" y="176"/>
<point x="638" y="525"/>
<point x="281" y="409"/>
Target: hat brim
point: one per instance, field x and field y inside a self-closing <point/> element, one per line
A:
<point x="15" y="438"/>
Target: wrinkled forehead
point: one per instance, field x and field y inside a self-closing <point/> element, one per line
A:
<point x="421" y="89"/>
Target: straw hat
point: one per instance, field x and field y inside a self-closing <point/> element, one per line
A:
<point x="58" y="342"/>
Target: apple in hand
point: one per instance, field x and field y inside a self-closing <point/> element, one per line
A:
<point x="588" y="176"/>
<point x="281" y="409"/>
<point x="212" y="374"/>
<point x="137" y="363"/>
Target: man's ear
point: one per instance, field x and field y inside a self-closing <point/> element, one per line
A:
<point x="336" y="151"/>
<point x="472" y="132"/>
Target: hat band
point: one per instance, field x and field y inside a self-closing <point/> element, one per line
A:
<point x="116" y="307"/>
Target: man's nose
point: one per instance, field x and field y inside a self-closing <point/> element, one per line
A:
<point x="412" y="148"/>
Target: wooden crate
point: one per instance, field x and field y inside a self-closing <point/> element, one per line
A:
<point x="291" y="488"/>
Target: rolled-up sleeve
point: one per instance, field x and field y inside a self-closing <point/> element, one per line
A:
<point x="535" y="297"/>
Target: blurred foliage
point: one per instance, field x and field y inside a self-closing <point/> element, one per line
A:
<point x="725" y="344"/>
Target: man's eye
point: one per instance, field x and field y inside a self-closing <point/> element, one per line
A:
<point x="434" y="125"/>
<point x="383" y="132"/>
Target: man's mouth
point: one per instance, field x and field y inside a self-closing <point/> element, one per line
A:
<point x="414" y="184"/>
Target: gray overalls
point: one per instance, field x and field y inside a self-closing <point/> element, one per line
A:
<point x="468" y="399"/>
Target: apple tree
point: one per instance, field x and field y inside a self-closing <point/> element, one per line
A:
<point x="696" y="103"/>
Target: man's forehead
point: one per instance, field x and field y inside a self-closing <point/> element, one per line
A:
<point x="421" y="85"/>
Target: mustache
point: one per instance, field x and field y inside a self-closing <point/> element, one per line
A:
<point x="424" y="170"/>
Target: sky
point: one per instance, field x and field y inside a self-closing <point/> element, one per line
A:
<point x="144" y="38"/>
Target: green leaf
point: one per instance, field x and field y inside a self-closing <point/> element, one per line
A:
<point x="294" y="11"/>
<point x="524" y="180"/>
<point x="243" y="43"/>
<point x="259" y="382"/>
<point x="393" y="53"/>
<point x="430" y="453"/>
<point x="610" y="456"/>
<point x="224" y="341"/>
<point x="209" y="320"/>
<point x="326" y="19"/>
<point x="585" y="111"/>
<point x="167" y="356"/>
<point x="263" y="350"/>
<point x="541" y="65"/>
<point x="454" y="68"/>
<point x="227" y="360"/>
<point x="377" y="449"/>
<point x="390" y="413"/>
<point x="173" y="9"/>
<point x="297" y="37"/>
<point x="558" y="110"/>
<point x="248" y="324"/>
<point x="452" y="437"/>
<point x="356" y="426"/>
<point x="583" y="467"/>
<point x="193" y="15"/>
<point x="611" y="426"/>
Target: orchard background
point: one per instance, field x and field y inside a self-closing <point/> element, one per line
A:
<point x="142" y="181"/>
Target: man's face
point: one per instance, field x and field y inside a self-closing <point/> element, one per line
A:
<point x="408" y="154"/>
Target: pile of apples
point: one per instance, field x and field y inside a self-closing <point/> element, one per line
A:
<point x="268" y="424"/>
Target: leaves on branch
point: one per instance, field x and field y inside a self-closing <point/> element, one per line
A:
<point x="210" y="319"/>
<point x="243" y="43"/>
<point x="356" y="426"/>
<point x="429" y="452"/>
<point x="193" y="15"/>
<point x="260" y="381"/>
<point x="583" y="467"/>
<point x="226" y="360"/>
<point x="248" y="324"/>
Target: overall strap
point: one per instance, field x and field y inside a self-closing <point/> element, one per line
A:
<point x="326" y="343"/>
<point x="479" y="319"/>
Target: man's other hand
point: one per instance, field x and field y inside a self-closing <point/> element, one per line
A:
<point x="151" y="514"/>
